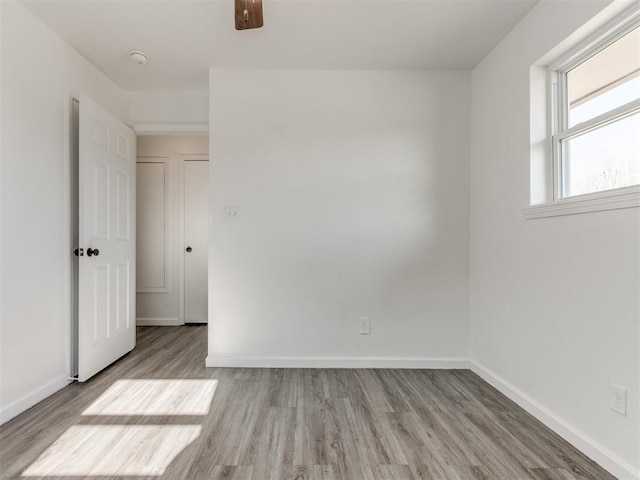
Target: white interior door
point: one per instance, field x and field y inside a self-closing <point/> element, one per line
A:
<point x="106" y="272"/>
<point x="196" y="224"/>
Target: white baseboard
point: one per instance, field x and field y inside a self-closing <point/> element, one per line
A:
<point x="587" y="445"/>
<point x="29" y="400"/>
<point x="158" y="322"/>
<point x="335" y="362"/>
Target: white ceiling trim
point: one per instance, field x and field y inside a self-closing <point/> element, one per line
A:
<point x="170" y="129"/>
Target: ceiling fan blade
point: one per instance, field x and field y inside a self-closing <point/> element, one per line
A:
<point x="248" y="14"/>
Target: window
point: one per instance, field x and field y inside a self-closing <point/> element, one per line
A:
<point x="596" y="114"/>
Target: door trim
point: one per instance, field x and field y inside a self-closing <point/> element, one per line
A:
<point x="73" y="225"/>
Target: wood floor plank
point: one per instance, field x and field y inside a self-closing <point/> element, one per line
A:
<point x="417" y="448"/>
<point x="551" y="474"/>
<point x="151" y="416"/>
<point x="394" y="472"/>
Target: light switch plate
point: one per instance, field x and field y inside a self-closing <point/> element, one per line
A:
<point x="232" y="212"/>
<point x="365" y="325"/>
<point x="619" y="399"/>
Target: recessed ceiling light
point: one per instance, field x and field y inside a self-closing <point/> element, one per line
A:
<point x="139" y="57"/>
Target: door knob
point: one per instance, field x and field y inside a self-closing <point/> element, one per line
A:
<point x="189" y="249"/>
<point x="79" y="252"/>
<point x="91" y="252"/>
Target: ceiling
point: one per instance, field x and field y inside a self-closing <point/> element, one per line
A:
<point x="184" y="38"/>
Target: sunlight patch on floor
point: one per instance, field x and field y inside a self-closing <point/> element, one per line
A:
<point x="110" y="450"/>
<point x="155" y="397"/>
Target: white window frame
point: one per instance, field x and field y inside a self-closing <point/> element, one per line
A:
<point x="559" y="131"/>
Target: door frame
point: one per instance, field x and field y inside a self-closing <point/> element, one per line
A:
<point x="181" y="277"/>
<point x="72" y="167"/>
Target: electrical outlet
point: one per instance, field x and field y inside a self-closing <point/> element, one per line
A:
<point x="232" y="212"/>
<point x="619" y="399"/>
<point x="365" y="325"/>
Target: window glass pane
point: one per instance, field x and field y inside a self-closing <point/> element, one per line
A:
<point x="607" y="80"/>
<point x="602" y="159"/>
<point x="620" y="95"/>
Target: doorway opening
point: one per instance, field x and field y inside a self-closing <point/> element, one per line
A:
<point x="139" y="210"/>
<point x="172" y="188"/>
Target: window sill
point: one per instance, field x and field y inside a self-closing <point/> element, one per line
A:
<point x="595" y="202"/>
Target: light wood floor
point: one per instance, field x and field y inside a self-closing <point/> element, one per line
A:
<point x="150" y="415"/>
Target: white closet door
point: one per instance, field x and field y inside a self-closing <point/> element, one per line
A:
<point x="196" y="222"/>
<point x="106" y="290"/>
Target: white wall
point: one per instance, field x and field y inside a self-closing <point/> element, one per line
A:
<point x="554" y="302"/>
<point x="39" y="74"/>
<point x="165" y="308"/>
<point x="162" y="108"/>
<point x="353" y="196"/>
